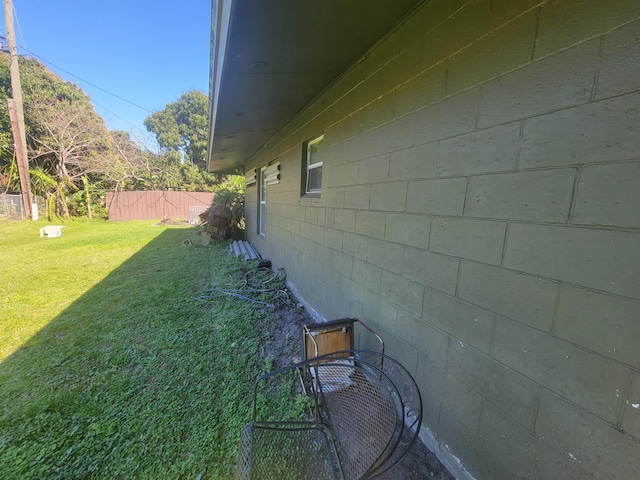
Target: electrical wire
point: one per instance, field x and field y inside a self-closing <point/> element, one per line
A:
<point x="83" y="80"/>
<point x="15" y="14"/>
<point x="251" y="287"/>
<point x="93" y="85"/>
<point x="149" y="137"/>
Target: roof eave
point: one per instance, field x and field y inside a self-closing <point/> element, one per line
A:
<point x="220" y="27"/>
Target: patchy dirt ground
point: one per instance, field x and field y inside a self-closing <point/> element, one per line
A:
<point x="286" y="347"/>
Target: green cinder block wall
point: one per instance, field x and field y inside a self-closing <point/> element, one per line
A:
<point x="480" y="208"/>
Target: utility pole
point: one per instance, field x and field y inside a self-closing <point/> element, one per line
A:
<point x="16" y="111"/>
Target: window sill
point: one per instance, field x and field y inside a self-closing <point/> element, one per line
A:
<point x="311" y="195"/>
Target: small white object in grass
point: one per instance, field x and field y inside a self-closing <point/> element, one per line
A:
<point x="51" y="231"/>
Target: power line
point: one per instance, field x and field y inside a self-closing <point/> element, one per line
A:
<point x="85" y="81"/>
<point x="96" y="86"/>
<point x="118" y="116"/>
<point x="15" y="14"/>
<point x="150" y="138"/>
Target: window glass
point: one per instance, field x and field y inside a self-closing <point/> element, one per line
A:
<point x="314" y="180"/>
<point x="313" y="170"/>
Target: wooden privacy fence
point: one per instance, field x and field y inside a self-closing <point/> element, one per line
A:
<point x="157" y="204"/>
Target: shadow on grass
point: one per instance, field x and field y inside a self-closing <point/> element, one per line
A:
<point x="135" y="379"/>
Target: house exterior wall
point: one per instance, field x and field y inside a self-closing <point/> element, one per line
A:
<point x="480" y="208"/>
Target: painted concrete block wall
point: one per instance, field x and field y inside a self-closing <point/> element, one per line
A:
<point x="480" y="207"/>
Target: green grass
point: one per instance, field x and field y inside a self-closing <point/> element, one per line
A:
<point x="111" y="365"/>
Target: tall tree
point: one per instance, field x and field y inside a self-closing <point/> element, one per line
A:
<point x="183" y="126"/>
<point x="55" y="113"/>
<point x="71" y="137"/>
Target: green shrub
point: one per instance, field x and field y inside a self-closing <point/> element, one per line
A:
<point x="230" y="193"/>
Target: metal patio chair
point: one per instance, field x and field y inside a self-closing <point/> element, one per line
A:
<point x="356" y="417"/>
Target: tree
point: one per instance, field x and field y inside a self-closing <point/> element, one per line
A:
<point x="132" y="167"/>
<point x="74" y="158"/>
<point x="183" y="127"/>
<point x="70" y="140"/>
<point x="67" y="139"/>
<point x="71" y="136"/>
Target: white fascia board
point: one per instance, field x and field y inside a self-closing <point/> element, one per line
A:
<point x="220" y="28"/>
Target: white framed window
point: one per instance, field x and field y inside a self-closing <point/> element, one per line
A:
<point x="262" y="201"/>
<point x="312" y="171"/>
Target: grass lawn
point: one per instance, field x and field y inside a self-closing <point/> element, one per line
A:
<point x="111" y="364"/>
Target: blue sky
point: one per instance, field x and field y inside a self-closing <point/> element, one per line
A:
<point x="145" y="51"/>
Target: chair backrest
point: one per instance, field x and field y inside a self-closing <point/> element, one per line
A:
<point x="345" y="334"/>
